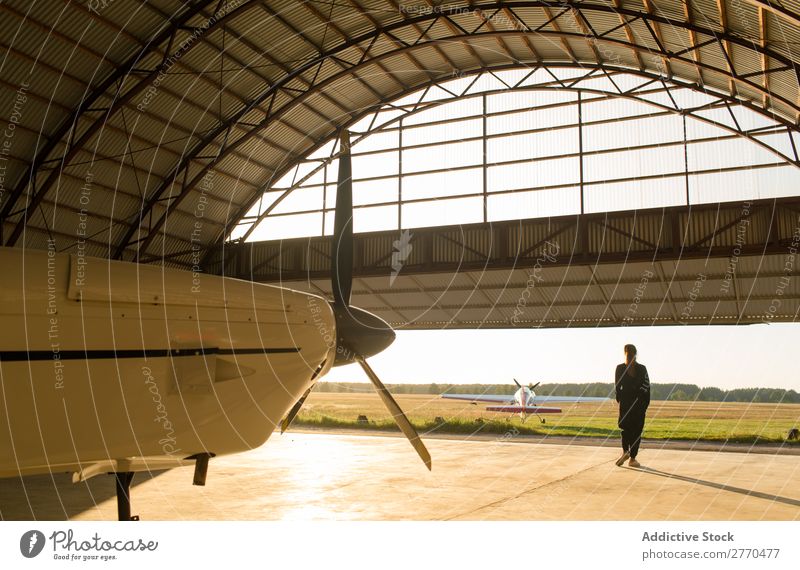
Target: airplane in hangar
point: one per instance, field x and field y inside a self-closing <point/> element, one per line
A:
<point x="117" y="367"/>
<point x="523" y="402"/>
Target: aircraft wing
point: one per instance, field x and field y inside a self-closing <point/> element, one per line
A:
<point x="523" y="409"/>
<point x="549" y="399"/>
<point x="493" y="398"/>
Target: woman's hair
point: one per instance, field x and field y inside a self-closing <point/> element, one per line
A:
<point x="630" y="349"/>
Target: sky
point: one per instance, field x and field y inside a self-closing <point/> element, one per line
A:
<point x="764" y="356"/>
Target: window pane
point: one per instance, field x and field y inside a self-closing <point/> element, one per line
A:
<point x="386" y="116"/>
<point x="377" y="141"/>
<point x="374" y="191"/>
<point x="367" y="166"/>
<point x="457" y="85"/>
<point x="443" y="212"/>
<point x="450" y="155"/>
<point x="265" y="201"/>
<point x="436" y="93"/>
<point x="330" y="196"/>
<point x="455" y="110"/>
<point x="635" y="195"/>
<point x="513" y="76"/>
<point x="486" y="82"/>
<point x="599" y="83"/>
<point x="374" y="218"/>
<point x="330" y="217"/>
<point x="744" y="184"/>
<point x="239" y="231"/>
<point x="780" y="142"/>
<point x="527" y="99"/>
<point x="610" y="109"/>
<point x="633" y="163"/>
<point x="287" y="227"/>
<point x="629" y="82"/>
<point x="298" y="172"/>
<point x="443" y="184"/>
<point x="332" y="172"/>
<point x="728" y="153"/>
<point x="633" y="132"/>
<point x="301" y="199"/>
<point x="745" y="118"/>
<point x="324" y="151"/>
<point x="439" y="133"/>
<point x="532" y="145"/>
<point x="699" y="130"/>
<point x="534" y="204"/>
<point x="530" y="120"/>
<point x="559" y="171"/>
<point x="688" y="98"/>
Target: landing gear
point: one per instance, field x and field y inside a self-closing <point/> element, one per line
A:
<point x="200" y="468"/>
<point x="124" y="478"/>
<point x="524" y="417"/>
<point x="124" y="496"/>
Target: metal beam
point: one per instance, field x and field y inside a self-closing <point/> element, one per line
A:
<point x="603" y="302"/>
<point x="698" y="217"/>
<point x="397" y="288"/>
<point x="777" y="9"/>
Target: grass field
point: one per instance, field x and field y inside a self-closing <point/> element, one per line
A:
<point x="712" y="421"/>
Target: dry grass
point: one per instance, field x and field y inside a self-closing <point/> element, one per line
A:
<point x="731" y="421"/>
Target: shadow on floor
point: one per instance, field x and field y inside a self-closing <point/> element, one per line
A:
<point x="57" y="498"/>
<point x="720" y="486"/>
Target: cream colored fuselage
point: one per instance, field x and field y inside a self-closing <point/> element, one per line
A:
<point x="130" y="367"/>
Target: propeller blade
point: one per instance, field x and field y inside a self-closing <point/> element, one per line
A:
<point x="517" y="383"/>
<point x="287" y="421"/>
<point x="399" y="417"/>
<point x="534" y="386"/>
<point x="342" y="268"/>
<point x="358" y="333"/>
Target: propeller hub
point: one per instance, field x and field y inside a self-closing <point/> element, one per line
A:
<point x="359" y="333"/>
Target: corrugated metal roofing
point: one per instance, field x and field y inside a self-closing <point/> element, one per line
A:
<point x="212" y="72"/>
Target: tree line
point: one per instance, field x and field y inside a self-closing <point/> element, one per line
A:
<point x="674" y="392"/>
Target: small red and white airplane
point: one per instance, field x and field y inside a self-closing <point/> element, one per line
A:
<point x="523" y="402"/>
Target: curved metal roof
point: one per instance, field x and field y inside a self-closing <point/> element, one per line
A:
<point x="150" y="128"/>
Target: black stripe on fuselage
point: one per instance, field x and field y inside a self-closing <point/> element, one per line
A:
<point x="33" y="355"/>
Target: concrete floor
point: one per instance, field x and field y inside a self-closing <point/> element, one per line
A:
<point x="303" y="476"/>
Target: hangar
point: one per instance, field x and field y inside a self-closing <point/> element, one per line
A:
<point x="515" y="164"/>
